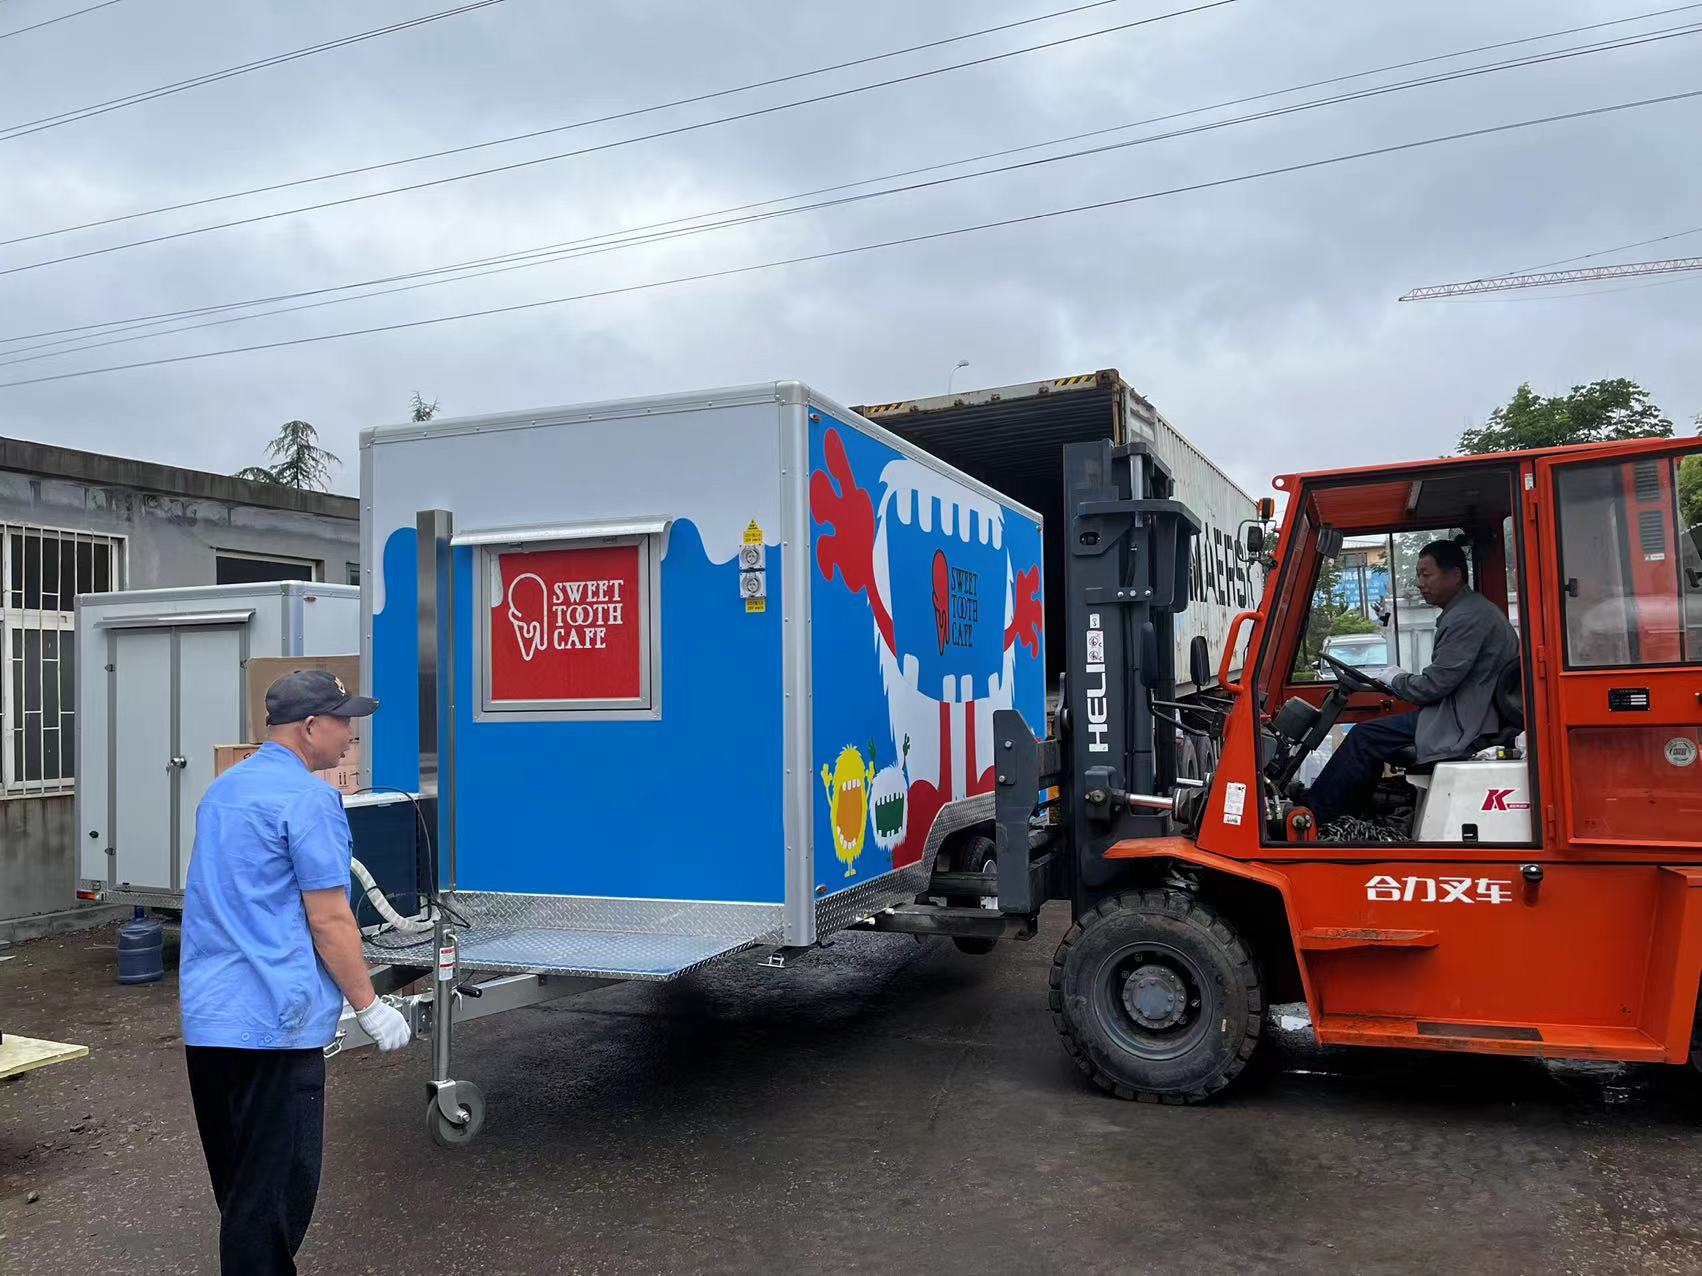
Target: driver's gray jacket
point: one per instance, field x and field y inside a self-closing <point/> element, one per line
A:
<point x="1456" y="691"/>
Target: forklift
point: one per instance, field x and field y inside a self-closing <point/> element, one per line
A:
<point x="1538" y="895"/>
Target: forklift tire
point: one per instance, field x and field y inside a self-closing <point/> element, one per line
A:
<point x="1157" y="998"/>
<point x="977" y="855"/>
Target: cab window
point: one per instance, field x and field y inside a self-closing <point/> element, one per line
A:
<point x="1631" y="559"/>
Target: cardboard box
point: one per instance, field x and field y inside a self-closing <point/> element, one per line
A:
<point x="263" y="671"/>
<point x="344" y="777"/>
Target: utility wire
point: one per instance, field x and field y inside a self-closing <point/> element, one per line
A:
<point x="64" y="17"/>
<point x="704" y="97"/>
<point x="830" y="254"/>
<point x="1601" y="252"/>
<point x="740" y="208"/>
<point x="562" y="128"/>
<point x="645" y="235"/>
<point x="10" y="132"/>
<point x="605" y="146"/>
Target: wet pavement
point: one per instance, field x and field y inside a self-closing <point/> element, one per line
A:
<point x="886" y="1105"/>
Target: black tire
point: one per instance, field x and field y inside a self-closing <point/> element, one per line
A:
<point x="977" y="854"/>
<point x="1192" y="968"/>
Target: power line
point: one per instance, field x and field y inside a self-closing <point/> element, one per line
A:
<point x="64" y="17"/>
<point x="999" y="154"/>
<point x="830" y="254"/>
<point x="742" y="88"/>
<point x="11" y="132"/>
<point x="606" y="146"/>
<point x="1547" y="278"/>
<point x="562" y="128"/>
<point x="655" y="232"/>
<point x="1603" y="252"/>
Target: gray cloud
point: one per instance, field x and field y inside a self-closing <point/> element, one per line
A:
<point x="1261" y="318"/>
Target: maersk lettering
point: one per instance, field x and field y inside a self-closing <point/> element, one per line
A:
<point x="1219" y="574"/>
<point x="1094" y="680"/>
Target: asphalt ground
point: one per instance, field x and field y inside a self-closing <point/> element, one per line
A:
<point x="885" y="1105"/>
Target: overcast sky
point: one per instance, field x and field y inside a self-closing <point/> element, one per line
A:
<point x="1261" y="317"/>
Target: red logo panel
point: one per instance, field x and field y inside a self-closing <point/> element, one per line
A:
<point x="566" y="627"/>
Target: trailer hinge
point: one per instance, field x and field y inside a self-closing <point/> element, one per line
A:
<point x="1550" y="822"/>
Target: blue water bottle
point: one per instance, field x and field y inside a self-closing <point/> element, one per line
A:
<point x="141" y="950"/>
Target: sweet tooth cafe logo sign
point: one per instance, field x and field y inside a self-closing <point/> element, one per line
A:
<point x="566" y="626"/>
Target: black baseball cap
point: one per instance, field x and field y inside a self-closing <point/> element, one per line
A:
<point x="309" y="693"/>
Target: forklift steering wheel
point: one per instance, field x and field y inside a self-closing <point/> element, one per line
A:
<point x="1355" y="680"/>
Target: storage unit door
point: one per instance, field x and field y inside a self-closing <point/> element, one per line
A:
<point x="140" y="761"/>
<point x="210" y="700"/>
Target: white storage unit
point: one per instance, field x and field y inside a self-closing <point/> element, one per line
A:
<point x="161" y="682"/>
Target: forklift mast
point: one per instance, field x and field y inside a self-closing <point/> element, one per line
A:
<point x="1127" y="574"/>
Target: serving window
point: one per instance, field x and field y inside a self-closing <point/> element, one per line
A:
<point x="568" y="625"/>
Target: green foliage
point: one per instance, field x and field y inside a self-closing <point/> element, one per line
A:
<point x="297" y="460"/>
<point x="1690" y="490"/>
<point x="421" y="410"/>
<point x="1603" y="411"/>
<point x="1326" y="619"/>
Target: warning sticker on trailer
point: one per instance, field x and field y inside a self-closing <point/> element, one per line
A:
<point x="1234" y="802"/>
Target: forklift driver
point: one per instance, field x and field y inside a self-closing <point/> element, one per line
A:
<point x="1455" y="693"/>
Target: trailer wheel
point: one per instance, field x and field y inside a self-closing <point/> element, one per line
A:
<point x="978" y="854"/>
<point x="444" y="1132"/>
<point x="1156" y="998"/>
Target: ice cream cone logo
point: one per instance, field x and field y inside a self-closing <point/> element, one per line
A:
<point x="942" y="597"/>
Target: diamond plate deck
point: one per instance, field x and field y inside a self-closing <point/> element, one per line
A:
<point x="596" y="938"/>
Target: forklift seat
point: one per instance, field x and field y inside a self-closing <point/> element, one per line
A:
<point x="1509" y="712"/>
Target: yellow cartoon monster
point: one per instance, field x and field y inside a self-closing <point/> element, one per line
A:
<point x="847" y="783"/>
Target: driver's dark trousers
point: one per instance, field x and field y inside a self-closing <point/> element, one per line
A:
<point x="1357" y="764"/>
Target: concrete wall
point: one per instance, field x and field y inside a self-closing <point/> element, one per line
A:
<point x="174" y="523"/>
<point x="38" y="867"/>
<point x="173" y="539"/>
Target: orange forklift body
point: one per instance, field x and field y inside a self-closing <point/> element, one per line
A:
<point x="1586" y="940"/>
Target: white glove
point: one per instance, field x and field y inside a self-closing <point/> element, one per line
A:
<point x="384" y="1024"/>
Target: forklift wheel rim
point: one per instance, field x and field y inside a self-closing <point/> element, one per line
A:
<point x="1111" y="1009"/>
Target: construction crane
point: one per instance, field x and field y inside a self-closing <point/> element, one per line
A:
<point x="1545" y="278"/>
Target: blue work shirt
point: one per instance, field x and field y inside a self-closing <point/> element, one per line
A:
<point x="267" y="830"/>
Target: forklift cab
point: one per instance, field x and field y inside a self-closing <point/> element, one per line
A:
<point x="1351" y="587"/>
<point x="1608" y="576"/>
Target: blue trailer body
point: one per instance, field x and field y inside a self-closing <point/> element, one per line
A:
<point x="717" y="662"/>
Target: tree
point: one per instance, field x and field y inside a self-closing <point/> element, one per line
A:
<point x="1690" y="488"/>
<point x="297" y="460"/>
<point x="422" y="411"/>
<point x="1616" y="408"/>
<point x="1328" y="616"/>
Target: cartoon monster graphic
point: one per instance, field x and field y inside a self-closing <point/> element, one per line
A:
<point x="949" y="609"/>
<point x="847" y="782"/>
<point x="889" y="801"/>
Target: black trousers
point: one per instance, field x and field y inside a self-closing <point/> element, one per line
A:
<point x="1355" y="766"/>
<point x="261" y="1114"/>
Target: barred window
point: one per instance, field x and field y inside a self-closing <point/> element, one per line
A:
<point x="42" y="570"/>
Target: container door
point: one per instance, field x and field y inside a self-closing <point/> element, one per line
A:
<point x="140" y="761"/>
<point x="211" y="700"/>
<point x="1627" y="609"/>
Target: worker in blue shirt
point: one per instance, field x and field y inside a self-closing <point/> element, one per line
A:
<point x="270" y="951"/>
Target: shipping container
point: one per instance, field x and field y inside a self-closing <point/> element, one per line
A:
<point x="161" y="685"/>
<point x="1012" y="438"/>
